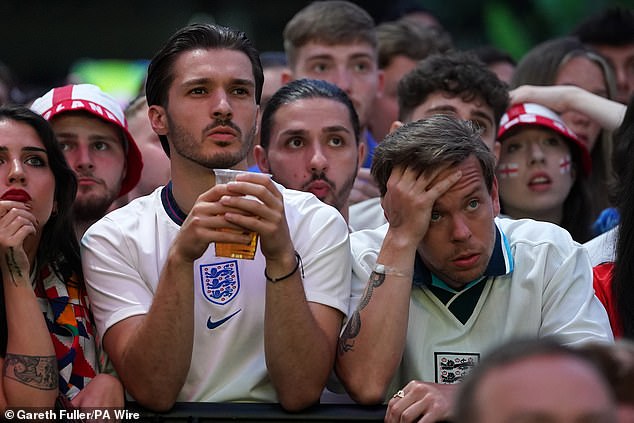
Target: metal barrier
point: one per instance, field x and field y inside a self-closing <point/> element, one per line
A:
<point x="258" y="412"/>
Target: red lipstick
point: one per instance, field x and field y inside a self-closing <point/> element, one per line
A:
<point x="16" y="195"/>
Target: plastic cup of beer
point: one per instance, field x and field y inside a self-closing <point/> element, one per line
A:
<point x="229" y="249"/>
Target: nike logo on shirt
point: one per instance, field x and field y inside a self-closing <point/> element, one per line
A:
<point x="213" y="325"/>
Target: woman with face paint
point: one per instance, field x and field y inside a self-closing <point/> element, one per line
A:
<point x="542" y="170"/>
<point x="567" y="61"/>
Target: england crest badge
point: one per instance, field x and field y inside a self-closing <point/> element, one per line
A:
<point x="220" y="281"/>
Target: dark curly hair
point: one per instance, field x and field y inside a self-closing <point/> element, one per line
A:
<point x="457" y="73"/>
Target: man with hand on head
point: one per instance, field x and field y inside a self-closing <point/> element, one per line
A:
<point x="454" y="84"/>
<point x="445" y="280"/>
<point x="217" y="329"/>
<point x="93" y="132"/>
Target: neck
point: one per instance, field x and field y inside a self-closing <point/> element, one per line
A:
<point x="190" y="180"/>
<point x="344" y="212"/>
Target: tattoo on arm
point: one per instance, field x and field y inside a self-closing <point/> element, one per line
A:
<point x="14" y="269"/>
<point x="39" y="372"/>
<point x="346" y="341"/>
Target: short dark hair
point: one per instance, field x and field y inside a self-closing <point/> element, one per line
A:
<point x="58" y="235"/>
<point x="332" y="22"/>
<point x="427" y="144"/>
<point x="457" y="73"/>
<point x="613" y="27"/>
<point x="206" y="36"/>
<point x="489" y="55"/>
<point x="512" y="351"/>
<point x="410" y="39"/>
<point x="301" y="89"/>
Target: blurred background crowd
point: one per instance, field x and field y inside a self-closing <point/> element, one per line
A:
<point x="48" y="44"/>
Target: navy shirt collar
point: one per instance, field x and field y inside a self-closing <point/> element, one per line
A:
<point x="169" y="204"/>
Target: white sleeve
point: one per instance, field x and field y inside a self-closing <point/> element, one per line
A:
<point x="115" y="288"/>
<point x="571" y="311"/>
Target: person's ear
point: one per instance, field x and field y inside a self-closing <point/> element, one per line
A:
<point x="286" y="76"/>
<point x="497" y="148"/>
<point x="261" y="159"/>
<point x="158" y="119"/>
<point x="258" y="114"/>
<point x="361" y="157"/>
<point x="395" y="125"/>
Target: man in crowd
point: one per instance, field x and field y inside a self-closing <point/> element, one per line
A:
<point x="309" y="141"/>
<point x="455" y="84"/>
<point x="335" y="40"/>
<point x="91" y="128"/>
<point x="401" y="44"/>
<point x="445" y="280"/>
<point x="180" y="322"/>
<point x="535" y="380"/>
<point x="611" y="33"/>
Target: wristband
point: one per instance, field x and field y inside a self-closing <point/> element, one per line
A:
<point x="298" y="265"/>
<point x="389" y="271"/>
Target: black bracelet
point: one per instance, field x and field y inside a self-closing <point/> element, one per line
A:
<point x="297" y="266"/>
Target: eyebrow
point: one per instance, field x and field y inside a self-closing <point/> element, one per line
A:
<point x="294" y="132"/>
<point x="483" y="116"/>
<point x="328" y="129"/>
<point x="326" y="56"/>
<point x="336" y="128"/>
<point x="36" y="149"/>
<point x="441" y="108"/>
<point x="447" y="108"/>
<point x="202" y="81"/>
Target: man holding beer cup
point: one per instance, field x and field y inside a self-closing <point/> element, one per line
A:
<point x="179" y="321"/>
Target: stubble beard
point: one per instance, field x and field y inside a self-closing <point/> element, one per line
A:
<point x="93" y="206"/>
<point x="186" y="145"/>
<point x="338" y="197"/>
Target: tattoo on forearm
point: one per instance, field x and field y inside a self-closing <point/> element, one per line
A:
<point x="14" y="269"/>
<point x="346" y="341"/>
<point x="39" y="372"/>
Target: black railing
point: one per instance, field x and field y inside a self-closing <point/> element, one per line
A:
<point x="258" y="412"/>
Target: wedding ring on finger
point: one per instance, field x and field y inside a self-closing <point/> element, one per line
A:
<point x="399" y="394"/>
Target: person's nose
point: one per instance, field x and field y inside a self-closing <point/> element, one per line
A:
<point x="343" y="79"/>
<point x="221" y="106"/>
<point x="536" y="153"/>
<point x="318" y="159"/>
<point x="16" y="173"/>
<point x="460" y="228"/>
<point x="82" y="158"/>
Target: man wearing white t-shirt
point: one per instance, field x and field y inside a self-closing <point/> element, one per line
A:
<point x="445" y="280"/>
<point x="181" y="323"/>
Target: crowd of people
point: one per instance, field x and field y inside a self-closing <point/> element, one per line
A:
<point x="445" y="232"/>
